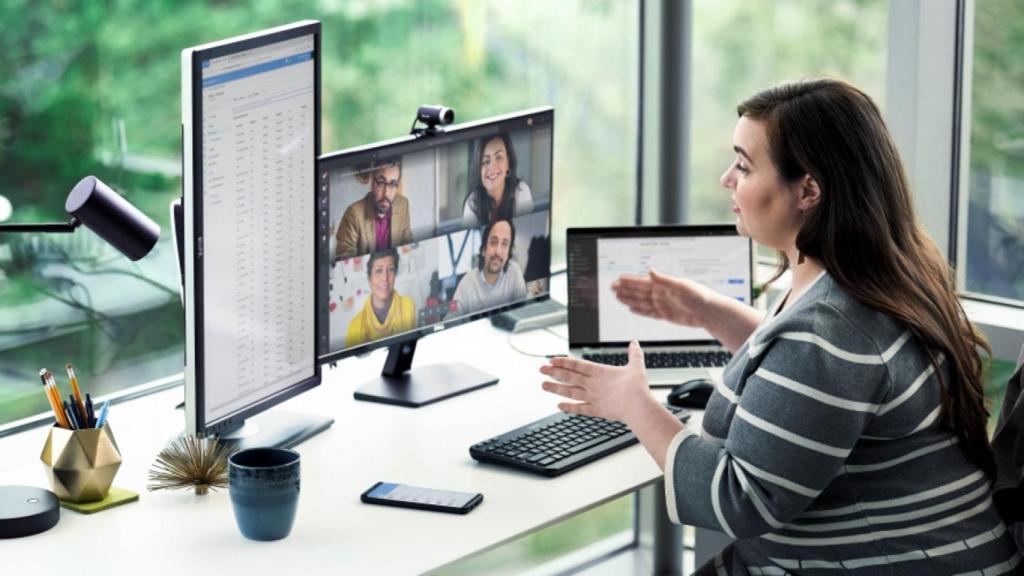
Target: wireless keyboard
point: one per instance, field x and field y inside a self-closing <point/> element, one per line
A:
<point x="559" y="443"/>
<point x="679" y="359"/>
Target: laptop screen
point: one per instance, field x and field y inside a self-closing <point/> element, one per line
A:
<point x="715" y="256"/>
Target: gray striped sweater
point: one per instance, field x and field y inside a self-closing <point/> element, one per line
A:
<point x="824" y="452"/>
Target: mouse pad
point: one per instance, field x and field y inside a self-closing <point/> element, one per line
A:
<point x="115" y="497"/>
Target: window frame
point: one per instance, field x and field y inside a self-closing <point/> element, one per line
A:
<point x="928" y="99"/>
<point x="1001" y="319"/>
<point x="1014" y="307"/>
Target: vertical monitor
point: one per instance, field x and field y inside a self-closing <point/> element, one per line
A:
<point x="251" y="136"/>
<point x="422" y="233"/>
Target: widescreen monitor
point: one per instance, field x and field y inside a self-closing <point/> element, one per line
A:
<point x="426" y="232"/>
<point x="251" y="137"/>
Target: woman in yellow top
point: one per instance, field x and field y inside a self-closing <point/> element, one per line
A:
<point x="385" y="312"/>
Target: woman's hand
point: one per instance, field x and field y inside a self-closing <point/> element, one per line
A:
<point x="666" y="298"/>
<point x="611" y="392"/>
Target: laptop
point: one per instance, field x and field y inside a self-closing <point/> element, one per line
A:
<point x="601" y="327"/>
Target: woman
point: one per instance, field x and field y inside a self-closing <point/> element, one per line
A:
<point x="385" y="312"/>
<point x="848" y="434"/>
<point x="496" y="192"/>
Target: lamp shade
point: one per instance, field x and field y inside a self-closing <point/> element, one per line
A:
<point x="112" y="217"/>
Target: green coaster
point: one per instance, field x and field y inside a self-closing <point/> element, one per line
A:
<point x="114" y="497"/>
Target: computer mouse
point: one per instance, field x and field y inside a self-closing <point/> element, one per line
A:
<point x="692" y="393"/>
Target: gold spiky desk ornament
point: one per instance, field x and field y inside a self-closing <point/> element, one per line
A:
<point x="191" y="462"/>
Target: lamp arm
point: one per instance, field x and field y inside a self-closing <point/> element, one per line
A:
<point x="68" y="226"/>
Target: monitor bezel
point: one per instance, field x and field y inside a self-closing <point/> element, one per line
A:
<point x="654" y="231"/>
<point x="467" y="131"/>
<point x="192" y="169"/>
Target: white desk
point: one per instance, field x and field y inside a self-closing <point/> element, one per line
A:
<point x="179" y="532"/>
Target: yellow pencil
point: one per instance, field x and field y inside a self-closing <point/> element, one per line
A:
<point x="74" y="388"/>
<point x="49" y="397"/>
<point x="58" y="413"/>
<point x="52" y="382"/>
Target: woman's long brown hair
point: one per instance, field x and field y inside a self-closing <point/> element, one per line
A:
<point x="866" y="235"/>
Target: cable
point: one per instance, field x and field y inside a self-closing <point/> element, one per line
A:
<point x="521" y="351"/>
<point x="551" y="330"/>
<point x="513" y="346"/>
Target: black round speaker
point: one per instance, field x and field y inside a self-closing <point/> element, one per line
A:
<point x="26" y="510"/>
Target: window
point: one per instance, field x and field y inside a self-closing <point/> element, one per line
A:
<point x="992" y="243"/>
<point x="741" y="48"/>
<point x="96" y="91"/>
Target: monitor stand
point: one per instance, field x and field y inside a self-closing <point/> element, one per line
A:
<point x="398" y="384"/>
<point x="275" y="429"/>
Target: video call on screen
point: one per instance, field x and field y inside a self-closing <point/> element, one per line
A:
<point x="411" y="235"/>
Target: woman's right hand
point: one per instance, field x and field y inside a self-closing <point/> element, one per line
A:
<point x="664" y="297"/>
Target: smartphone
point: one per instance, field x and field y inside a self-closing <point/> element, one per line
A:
<point x="402" y="495"/>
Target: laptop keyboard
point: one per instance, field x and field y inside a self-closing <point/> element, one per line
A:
<point x="678" y="359"/>
<point x="559" y="443"/>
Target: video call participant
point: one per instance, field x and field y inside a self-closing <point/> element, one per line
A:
<point x="385" y="312"/>
<point x="495" y="191"/>
<point x="498" y="279"/>
<point x="378" y="220"/>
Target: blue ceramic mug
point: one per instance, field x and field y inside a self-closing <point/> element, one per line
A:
<point x="264" y="488"/>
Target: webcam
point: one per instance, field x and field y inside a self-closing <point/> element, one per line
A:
<point x="433" y="118"/>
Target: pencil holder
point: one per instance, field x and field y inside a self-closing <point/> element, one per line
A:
<point x="81" y="464"/>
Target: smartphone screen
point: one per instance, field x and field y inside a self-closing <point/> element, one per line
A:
<point x="415" y="496"/>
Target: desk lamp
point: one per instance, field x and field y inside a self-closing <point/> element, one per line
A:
<point x="105" y="212"/>
<point x="26" y="510"/>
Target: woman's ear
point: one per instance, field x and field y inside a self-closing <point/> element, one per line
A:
<point x="810" y="194"/>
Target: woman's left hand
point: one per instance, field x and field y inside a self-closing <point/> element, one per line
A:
<point x="611" y="392"/>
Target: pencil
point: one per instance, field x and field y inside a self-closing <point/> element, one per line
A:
<point x="53" y="398"/>
<point x="58" y="413"/>
<point x="49" y="397"/>
<point x="74" y="388"/>
<point x="52" y="383"/>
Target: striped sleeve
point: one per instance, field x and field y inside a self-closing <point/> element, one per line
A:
<point x="814" y="382"/>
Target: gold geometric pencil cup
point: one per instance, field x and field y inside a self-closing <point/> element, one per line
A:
<point x="81" y="464"/>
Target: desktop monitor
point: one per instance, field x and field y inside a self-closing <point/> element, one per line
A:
<point x="426" y="232"/>
<point x="250" y="137"/>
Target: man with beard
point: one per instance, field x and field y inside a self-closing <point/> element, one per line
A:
<point x="379" y="220"/>
<point x="498" y="279"/>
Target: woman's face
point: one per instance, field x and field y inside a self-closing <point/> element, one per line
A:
<point x="382" y="280"/>
<point x="766" y="207"/>
<point x="494" y="167"/>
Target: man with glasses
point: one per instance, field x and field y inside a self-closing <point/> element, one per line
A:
<point x="379" y="220"/>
